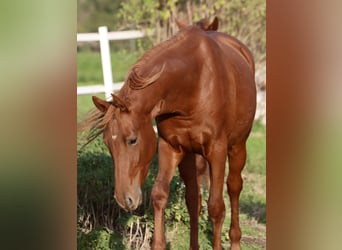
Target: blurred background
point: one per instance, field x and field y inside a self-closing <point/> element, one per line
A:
<point x="245" y="20"/>
<point x="101" y="224"/>
<point x="38" y="157"/>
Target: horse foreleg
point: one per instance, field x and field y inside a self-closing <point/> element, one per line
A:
<point x="216" y="207"/>
<point x="189" y="170"/>
<point x="168" y="160"/>
<point x="237" y="159"/>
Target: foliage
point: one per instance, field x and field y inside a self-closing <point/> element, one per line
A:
<point x="244" y="19"/>
<point x="92" y="14"/>
<point x="99" y="238"/>
<point x="95" y="188"/>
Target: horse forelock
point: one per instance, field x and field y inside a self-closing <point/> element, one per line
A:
<point x="95" y="123"/>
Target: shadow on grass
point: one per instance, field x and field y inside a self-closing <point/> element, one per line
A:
<point x="254" y="209"/>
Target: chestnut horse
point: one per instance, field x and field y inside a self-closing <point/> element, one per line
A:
<point x="199" y="87"/>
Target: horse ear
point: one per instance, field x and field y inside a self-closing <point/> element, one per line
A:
<point x="214" y="25"/>
<point x="100" y="104"/>
<point x="157" y="109"/>
<point x="119" y="103"/>
<point x="180" y="24"/>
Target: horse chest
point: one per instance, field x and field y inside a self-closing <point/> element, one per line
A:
<point x="189" y="138"/>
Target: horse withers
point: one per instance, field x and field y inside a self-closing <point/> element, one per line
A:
<point x="199" y="88"/>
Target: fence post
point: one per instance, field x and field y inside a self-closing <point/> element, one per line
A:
<point x="106" y="63"/>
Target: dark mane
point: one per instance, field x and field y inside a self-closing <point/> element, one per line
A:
<point x="140" y="75"/>
<point x="94" y="124"/>
<point x="137" y="81"/>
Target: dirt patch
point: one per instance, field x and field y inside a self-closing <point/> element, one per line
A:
<point x="258" y="242"/>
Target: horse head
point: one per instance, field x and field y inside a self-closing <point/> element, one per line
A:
<point x="131" y="141"/>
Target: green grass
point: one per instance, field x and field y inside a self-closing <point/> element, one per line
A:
<point x="253" y="195"/>
<point x="85" y="104"/>
<point x="252" y="205"/>
<point x="255" y="162"/>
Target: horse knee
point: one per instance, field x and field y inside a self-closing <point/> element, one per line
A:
<point x="234" y="181"/>
<point x="216" y="210"/>
<point x="159" y="196"/>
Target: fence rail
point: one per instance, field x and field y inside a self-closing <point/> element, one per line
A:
<point x="117" y="35"/>
<point x="96" y="89"/>
<point x="103" y="36"/>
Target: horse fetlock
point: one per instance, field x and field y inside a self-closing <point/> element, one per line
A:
<point x="158" y="246"/>
<point x="235" y="237"/>
<point x="235" y="234"/>
<point x="235" y="246"/>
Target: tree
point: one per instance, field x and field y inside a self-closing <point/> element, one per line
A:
<point x="94" y="13"/>
<point x="246" y="20"/>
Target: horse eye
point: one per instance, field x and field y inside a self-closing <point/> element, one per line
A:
<point x="132" y="141"/>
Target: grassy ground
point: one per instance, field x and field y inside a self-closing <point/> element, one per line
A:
<point x="253" y="196"/>
<point x="130" y="229"/>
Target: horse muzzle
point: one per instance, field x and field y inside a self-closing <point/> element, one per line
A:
<point x="129" y="201"/>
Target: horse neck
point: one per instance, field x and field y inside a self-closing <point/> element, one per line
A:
<point x="166" y="93"/>
<point x="163" y="97"/>
<point x="141" y="101"/>
<point x="146" y="102"/>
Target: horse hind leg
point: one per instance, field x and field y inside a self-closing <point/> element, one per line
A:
<point x="190" y="167"/>
<point x="237" y="159"/>
<point x="216" y="206"/>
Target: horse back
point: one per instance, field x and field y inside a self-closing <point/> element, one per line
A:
<point x="216" y="100"/>
<point x="245" y="88"/>
<point x="242" y="49"/>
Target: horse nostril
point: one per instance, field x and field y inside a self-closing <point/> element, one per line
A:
<point x="129" y="202"/>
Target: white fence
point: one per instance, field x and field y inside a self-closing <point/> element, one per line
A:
<point x="104" y="37"/>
